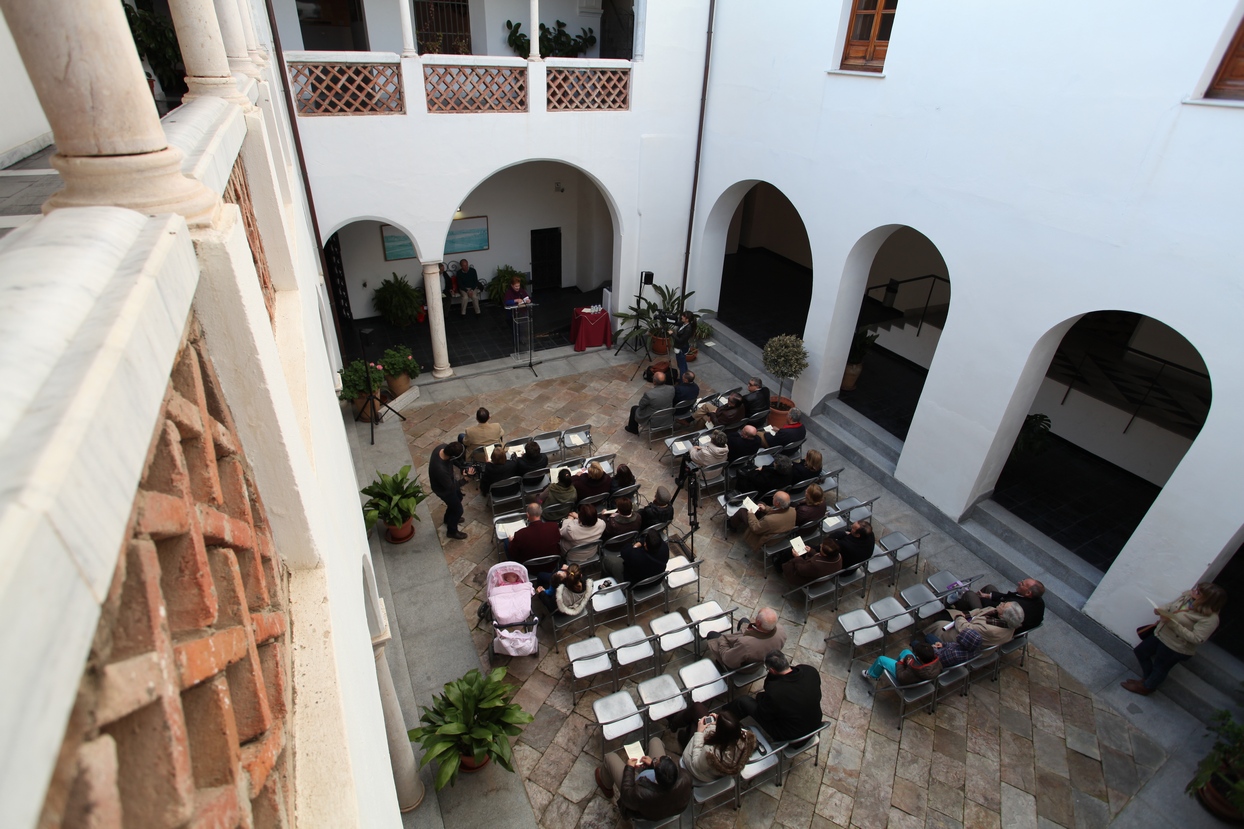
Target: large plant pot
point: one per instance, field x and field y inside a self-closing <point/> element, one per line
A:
<point x="468" y="764"/>
<point x="399" y="384"/>
<point x="851" y="376"/>
<point x="779" y="411"/>
<point x="692" y="353"/>
<point x="1216" y="803"/>
<point x="660" y="345"/>
<point x="402" y="534"/>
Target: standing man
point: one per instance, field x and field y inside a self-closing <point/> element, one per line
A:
<point x="468" y="285"/>
<point x="682" y="339"/>
<point x="446" y="484"/>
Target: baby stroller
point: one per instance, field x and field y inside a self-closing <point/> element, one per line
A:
<point x="509" y="605"/>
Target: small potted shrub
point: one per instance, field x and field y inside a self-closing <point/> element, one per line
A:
<point x="470" y="724"/>
<point x="702" y="332"/>
<point x="358" y="380"/>
<point x="500" y="283"/>
<point x="398" y="302"/>
<point x="785" y="358"/>
<point x="860" y="345"/>
<point x="392" y="500"/>
<point x="1219" y="780"/>
<point x="399" y="369"/>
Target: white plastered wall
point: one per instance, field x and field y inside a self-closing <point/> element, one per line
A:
<point x="24" y="129"/>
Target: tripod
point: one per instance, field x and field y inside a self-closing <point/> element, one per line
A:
<point x="688" y="479"/>
<point x="371" y="407"/>
<point x="636" y="335"/>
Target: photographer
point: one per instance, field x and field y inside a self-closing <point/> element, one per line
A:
<point x="447" y="486"/>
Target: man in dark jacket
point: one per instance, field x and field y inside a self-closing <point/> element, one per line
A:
<point x="532" y="458"/>
<point x="686" y="392"/>
<point x="538" y="538"/>
<point x="1029" y="594"/>
<point x="857" y="543"/>
<point x="790" y="433"/>
<point x="444" y="482"/>
<point x="790" y="704"/>
<point x="646" y="558"/>
<point x="653" y="787"/>
<point x="742" y="443"/>
<point x="659" y="511"/>
<point x="757" y="398"/>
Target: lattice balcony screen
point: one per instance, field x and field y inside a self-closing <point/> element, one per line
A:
<point x="347" y="88"/>
<point x="580" y="90"/>
<point x="476" y="88"/>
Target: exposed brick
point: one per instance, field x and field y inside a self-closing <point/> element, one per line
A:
<point x="220" y="529"/>
<point x="236" y="500"/>
<point x="162" y="516"/>
<point x="185" y="416"/>
<point x="94" y="799"/>
<point x="267" y="626"/>
<point x="153" y="752"/>
<point x="214" y="752"/>
<point x="187" y="583"/>
<point x="269" y="809"/>
<point x="272" y="662"/>
<point x="260" y="756"/>
<point x="135" y="627"/>
<point x="216" y="809"/>
<point x="166" y="469"/>
<point x="199" y="659"/>
<point x="128" y="685"/>
<point x="225" y="443"/>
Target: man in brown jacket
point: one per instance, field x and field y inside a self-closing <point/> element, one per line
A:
<point x="751" y="644"/>
<point x="769" y="522"/>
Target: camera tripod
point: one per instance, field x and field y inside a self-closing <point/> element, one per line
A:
<point x="371" y="407"/>
<point x="687" y="478"/>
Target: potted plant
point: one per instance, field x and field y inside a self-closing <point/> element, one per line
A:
<point x="398" y="302"/>
<point x="392" y="500"/>
<point x="399" y="369"/>
<point x="785" y="358"/>
<point x="359" y="380"/>
<point x="654" y="318"/>
<point x="500" y="283"/>
<point x="860" y="344"/>
<point x="556" y="42"/>
<point x="1219" y="780"/>
<point x="702" y="332"/>
<point x="470" y="724"/>
<point x="1033" y="437"/>
<point x="157" y="42"/>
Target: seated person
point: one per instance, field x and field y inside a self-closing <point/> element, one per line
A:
<point x="623" y="520"/>
<point x="789" y="707"/>
<point x="561" y="491"/>
<point x="538" y="538"/>
<point x="962" y="649"/>
<point x="532" y="458"/>
<point x="792" y="432"/>
<point x="857" y="543"/>
<point x="742" y="444"/>
<point x="660" y="511"/>
<point x="765" y="479"/>
<point x="757" y="399"/>
<point x="1029" y="594"/>
<point x="481" y="434"/>
<point x="565" y="591"/>
<point x="719" y="747"/>
<point x="644" y="559"/>
<point x="592" y="481"/>
<point x="751" y="643"/>
<point x="996" y="625"/>
<point x="767" y="522"/>
<point x="579" y="528"/>
<point x="622" y="478"/>
<point x="919" y="664"/>
<point x="654" y="787"/>
<point x="656" y="399"/>
<point x="497" y="469"/>
<point x="807" y="467"/>
<point x="727" y="414"/>
<point x="703" y="455"/>
<point x="813" y="506"/>
<point x="686" y="392"/>
<point x="800" y="570"/>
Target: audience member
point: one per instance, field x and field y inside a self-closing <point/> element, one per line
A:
<point x="532" y="458"/>
<point x="757" y="399"/>
<point x="622" y="478"/>
<point x="742" y="443"/>
<point x="809" y="466"/>
<point x="751" y="643"/>
<point x="561" y="491"/>
<point x="767" y="523"/>
<point x="813" y="506"/>
<point x="566" y="591"/>
<point x="659" y="511"/>
<point x="720" y="746"/>
<point x="789" y="707"/>
<point x="765" y="479"/>
<point x="728" y="414"/>
<point x="483" y="433"/>
<point x="657" y="399"/>
<point x="468" y="285"/>
<point x="622" y="520"/>
<point x="1028" y="594"/>
<point x="800" y="570"/>
<point x="857" y="543"/>
<point x="580" y="527"/>
<point x="646" y="558"/>
<point x="444" y="481"/>
<point x="538" y="538"/>
<point x="705" y="454"/>
<point x="996" y="625"/>
<point x="1182" y="625"/>
<point x="686" y="392"/>
<point x="919" y="664"/>
<point x="653" y="787"/>
<point x="792" y="432"/>
<point x="498" y="468"/>
<point x="950" y="654"/>
<point x="592" y="481"/>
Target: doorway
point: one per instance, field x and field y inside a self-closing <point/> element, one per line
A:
<point x="546" y="258"/>
<point x="333" y="26"/>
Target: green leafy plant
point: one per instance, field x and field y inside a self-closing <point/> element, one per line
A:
<point x="1223" y="767"/>
<point x="1033" y="437"/>
<point x="474" y="718"/>
<point x="397" y="301"/>
<point x="860" y="345"/>
<point x="398" y="359"/>
<point x="392" y="499"/>
<point x="157" y="42"/>
<point x="702" y="329"/>
<point x="785" y="358"/>
<point x="500" y="282"/>
<point x="357" y="382"/>
<point x="644" y="317"/>
<point x="554" y="43"/>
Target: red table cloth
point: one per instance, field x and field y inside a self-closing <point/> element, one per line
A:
<point x="589" y="330"/>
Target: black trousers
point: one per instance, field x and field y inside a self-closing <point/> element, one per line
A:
<point x="453" y="511"/>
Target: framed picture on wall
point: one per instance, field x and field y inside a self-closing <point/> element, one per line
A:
<point x="467" y="234"/>
<point x="397" y="245"/>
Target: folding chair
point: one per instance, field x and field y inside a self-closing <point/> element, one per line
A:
<point x="745" y="675"/>
<point x="606" y="461"/>
<point x="597" y="500"/>
<point x="859" y="628"/>
<point x="1018" y="643"/>
<point x="506" y="495"/>
<point x="878" y="563"/>
<point x="561" y="621"/>
<point x="619" y="542"/>
<point x="535" y="482"/>
<point x="631" y="645"/>
<point x="618" y="716"/>
<point x="702" y="793"/>
<point x="631" y="492"/>
<point x="589" y="658"/>
<point x="771" y="549"/>
<point x="677" y="446"/>
<point x="605" y="600"/>
<point x="550" y="444"/>
<point x="920" y="598"/>
<point x="673" y="631"/>
<point x="586" y="555"/>
<point x="498" y="534"/>
<point x="763" y="762"/>
<point x="829" y="481"/>
<point x="661" y="697"/>
<point x="680" y="573"/>
<point x="920" y="694"/>
<point x="542" y="564"/>
<point x="703" y="681"/>
<point x="662" y="421"/>
<point x="893" y="615"/>
<point x="903" y="549"/>
<point x="792" y="449"/>
<point x="556" y="512"/>
<point x="516" y="447"/>
<point x="576" y="439"/>
<point x="948" y="678"/>
<point x="853" y="509"/>
<point x="710" y="618"/>
<point x="789" y="750"/>
<point x="646" y="590"/>
<point x="986" y="660"/>
<point x="711" y="477"/>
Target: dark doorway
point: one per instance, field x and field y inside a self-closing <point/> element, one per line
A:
<point x="332" y="26"/>
<point x="617" y="29"/>
<point x="546" y="258"/>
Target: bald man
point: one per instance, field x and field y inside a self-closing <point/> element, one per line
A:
<point x="756" y="639"/>
<point x="743" y="443"/>
<point x="768" y="523"/>
<point x="659" y="398"/>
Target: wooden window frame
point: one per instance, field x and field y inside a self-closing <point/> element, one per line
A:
<point x="1228" y="81"/>
<point x="867" y="55"/>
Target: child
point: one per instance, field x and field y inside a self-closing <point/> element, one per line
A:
<point x="565" y="591"/>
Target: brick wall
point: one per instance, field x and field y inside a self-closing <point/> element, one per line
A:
<point x="181" y="718"/>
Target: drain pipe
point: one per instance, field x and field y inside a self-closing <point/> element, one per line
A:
<point x="699" y="141"/>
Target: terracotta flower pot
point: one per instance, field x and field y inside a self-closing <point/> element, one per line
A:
<point x="468" y="764"/>
<point x="399" y="535"/>
<point x="660" y="345"/>
<point x="399" y="384"/>
<point x="1216" y="803"/>
<point x="779" y="417"/>
<point x="692" y="353"/>
<point x="358" y="404"/>
<point x="851" y="375"/>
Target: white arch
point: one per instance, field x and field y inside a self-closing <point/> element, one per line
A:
<point x="405" y="228"/>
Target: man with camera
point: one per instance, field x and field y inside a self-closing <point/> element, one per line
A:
<point x="447" y="485"/>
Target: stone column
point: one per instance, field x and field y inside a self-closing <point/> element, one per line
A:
<point x="410" y="790"/>
<point x="534" y="34"/>
<point x="234" y="37"/>
<point x="408" y="31"/>
<point x="258" y="56"/>
<point x="203" y="50"/>
<point x="111" y="148"/>
<point x="436" y="319"/>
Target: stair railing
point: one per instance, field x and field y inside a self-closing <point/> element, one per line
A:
<point x="891" y="293"/>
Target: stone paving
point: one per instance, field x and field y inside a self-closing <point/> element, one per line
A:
<point x="1034" y="749"/>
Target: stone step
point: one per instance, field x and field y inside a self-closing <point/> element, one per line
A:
<point x="1049" y="555"/>
<point x="869" y="434"/>
<point x="1200" y="698"/>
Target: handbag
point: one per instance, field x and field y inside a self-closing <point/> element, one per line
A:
<point x="1145" y="631"/>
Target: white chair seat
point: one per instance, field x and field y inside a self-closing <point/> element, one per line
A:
<point x="879" y="562"/>
<point x="705" y="611"/>
<point x="833" y="524"/>
<point x="762" y="759"/>
<point x="617" y="714"/>
<point x="662" y="696"/>
<point x="855" y="619"/>
<point x="939" y="582"/>
<point x="921" y="598"/>
<point x="865" y="635"/>
<point x="703" y="680"/>
<point x="892" y="610"/>
<point x="704" y="792"/>
<point x="589" y="647"/>
<point x="673" y="631"/>
<point x="892" y="541"/>
<point x="679" y="578"/>
<point x="602" y="602"/>
<point x="631" y="644"/>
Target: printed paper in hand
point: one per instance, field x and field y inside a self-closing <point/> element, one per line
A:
<point x="771" y="430"/>
<point x="749" y="504"/>
<point x="634" y="751"/>
<point x="798" y="546"/>
<point x="681" y="446"/>
<point x="514" y="451"/>
<point x="488" y="450"/>
<point x="704" y="439"/>
<point x="948" y="625"/>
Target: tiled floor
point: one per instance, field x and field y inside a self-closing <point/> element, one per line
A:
<point x="1032" y="749"/>
<point x="24" y="195"/>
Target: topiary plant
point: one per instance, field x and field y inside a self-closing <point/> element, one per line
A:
<point x="397" y="301"/>
<point x="785" y="358"/>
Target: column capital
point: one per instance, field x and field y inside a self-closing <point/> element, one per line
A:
<point x="150" y="183"/>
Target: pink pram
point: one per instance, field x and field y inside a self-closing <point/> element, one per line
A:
<point x="514" y="625"/>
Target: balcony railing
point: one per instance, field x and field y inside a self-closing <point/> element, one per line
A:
<point x="468" y="86"/>
<point x="339" y="83"/>
<point x="589" y="88"/>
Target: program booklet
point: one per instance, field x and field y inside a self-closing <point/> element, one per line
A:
<point x="798" y="546"/>
<point x="634" y="751"/>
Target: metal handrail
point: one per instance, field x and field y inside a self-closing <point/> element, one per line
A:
<point x="893" y="285"/>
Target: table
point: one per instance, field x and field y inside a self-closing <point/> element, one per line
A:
<point x="588" y="330"/>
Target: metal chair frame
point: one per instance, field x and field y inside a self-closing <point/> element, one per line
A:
<point x="693" y="566"/>
<point x="583" y="430"/>
<point x="905" y="696"/>
<point x="550" y="444"/>
<point x="1018" y="643"/>
<point x="651" y="431"/>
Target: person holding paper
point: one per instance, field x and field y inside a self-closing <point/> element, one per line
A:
<point x="728" y="414"/>
<point x="538" y="538"/>
<point x="790" y="433"/>
<point x="1182" y="625"/>
<point x="705" y="454"/>
<point x="824" y="561"/>
<point x="532" y="458"/>
<point x="996" y="625"/>
<point x="743" y="443"/>
<point x="652" y="786"/>
<point x="516" y="295"/>
<point x="623" y="519"/>
<point x="592" y="481"/>
<point x="765" y="479"/>
<point x="481" y="434"/>
<point x="767" y="523"/>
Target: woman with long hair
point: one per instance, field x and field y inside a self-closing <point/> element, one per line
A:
<point x="580" y="527"/>
<point x="813" y="506"/>
<point x="719" y="747"/>
<point x="1182" y="625"/>
<point x="561" y="491"/>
